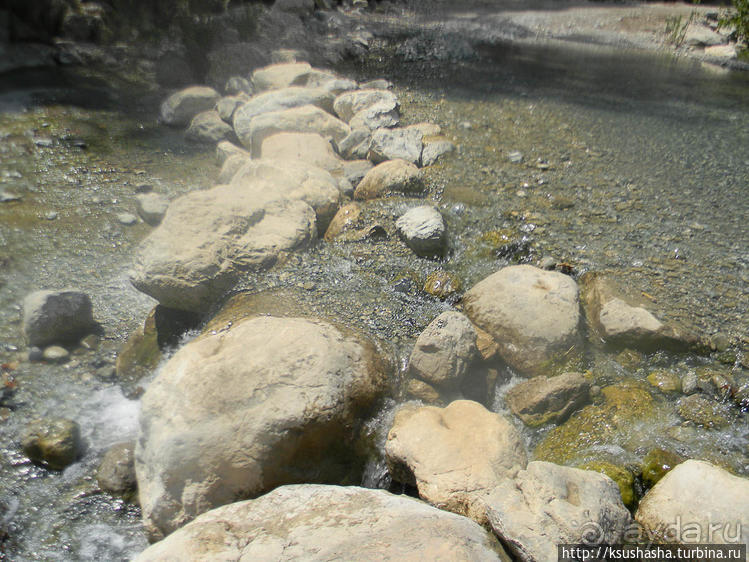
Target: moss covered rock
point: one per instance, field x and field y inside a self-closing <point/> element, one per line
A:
<point x="665" y="381"/>
<point x="656" y="464"/>
<point x="623" y="477"/>
<point x="703" y="411"/>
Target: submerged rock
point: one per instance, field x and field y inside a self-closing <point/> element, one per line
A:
<point x="548" y="504"/>
<point x="455" y="456"/>
<point x="656" y="464"/>
<point x="56" y="316"/>
<point x="219" y="424"/>
<point x="442" y="284"/>
<point x="703" y="411"/>
<point x="532" y="314"/>
<point x="388" y="177"/>
<point x="116" y="472"/>
<point x="697" y="502"/>
<point x="543" y="400"/>
<point x="313" y="522"/>
<point x="179" y="108"/>
<point x="52" y="442"/>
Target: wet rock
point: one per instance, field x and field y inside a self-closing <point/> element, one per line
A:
<point x="547" y="505"/>
<point x="276" y="76"/>
<point x="55" y="354"/>
<point x="348" y="104"/>
<point x="689" y="383"/>
<point x="444" y="351"/>
<point x="52" y="215"/>
<point x="116" y="472"/>
<point x="179" y="108"/>
<point x="218" y="424"/>
<point x="304" y="119"/>
<point x="56" y="316"/>
<point x="532" y="314"/>
<point x="237" y="85"/>
<point x="225" y="149"/>
<point x="35" y="354"/>
<point x="381" y="114"/>
<point x="485" y="344"/>
<point x="228" y="105"/>
<point x="127" y="219"/>
<point x="7" y="197"/>
<point x="515" y="157"/>
<point x="208" y="127"/>
<point x="345" y="219"/>
<point x="388" y="177"/>
<point x="455" y="456"/>
<point x="656" y="464"/>
<point x="391" y="144"/>
<point x="703" y="411"/>
<point x="52" y="442"/>
<point x="231" y="166"/>
<point x="665" y="381"/>
<point x="424" y="231"/>
<point x="709" y="504"/>
<point x="543" y="400"/>
<point x="309" y="148"/>
<point x="209" y="239"/>
<point x="355" y="145"/>
<point x="151" y="207"/>
<point x="294" y="180"/>
<point x="349" y="523"/>
<point x="434" y="148"/>
<point x="419" y="390"/>
<point x="442" y="285"/>
<point x="622" y="477"/>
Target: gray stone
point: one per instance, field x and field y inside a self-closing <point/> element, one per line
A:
<point x="547" y="505"/>
<point x="228" y="105"/>
<point x="127" y="219"/>
<point x="433" y="149"/>
<point x="279" y="56"/>
<point x="389" y="177"/>
<point x="378" y="84"/>
<point x="355" y="145"/>
<point x="726" y="52"/>
<point x="55" y="354"/>
<point x="231" y="166"/>
<point x="52" y="442"/>
<point x="116" y="472"/>
<point x="689" y="383"/>
<point x="151" y="207"/>
<point x="349" y="104"/>
<point x="390" y="144"/>
<point x="313" y="522"/>
<point x="220" y="424"/>
<point x="355" y="170"/>
<point x="276" y="76"/>
<point x="424" y="231"/>
<point x="702" y="36"/>
<point x="376" y="116"/>
<point x="56" y="316"/>
<point x="304" y="119"/>
<point x="328" y="81"/>
<point x="455" y="456"/>
<point x="543" y="400"/>
<point x="444" y="351"/>
<point x="208" y="127"/>
<point x="179" y="108"/>
<point x="225" y="149"/>
<point x="696" y="502"/>
<point x="237" y="85"/>
<point x="532" y="314"/>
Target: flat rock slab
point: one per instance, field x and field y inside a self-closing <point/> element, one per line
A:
<point x="179" y="108"/>
<point x="532" y="314"/>
<point x="696" y="502"/>
<point x="313" y="522"/>
<point x="455" y="456"/>
<point x="547" y="504"/>
<point x="219" y="424"/>
<point x="543" y="400"/>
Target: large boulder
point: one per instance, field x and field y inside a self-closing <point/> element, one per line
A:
<point x="207" y="127"/>
<point x="225" y="149"/>
<point x="276" y="76"/>
<point x="444" y="351"/>
<point x="548" y="504"/>
<point x="350" y="103"/>
<point x="309" y="148"/>
<point x="291" y="179"/>
<point x="543" y="400"/>
<point x="179" y="108"/>
<point x="56" y="316"/>
<point x="228" y="105"/>
<point x="532" y="314"/>
<point x="454" y="456"/>
<point x="388" y="177"/>
<point x="423" y="230"/>
<point x="278" y="100"/>
<point x="235" y="413"/>
<point x="313" y="522"/>
<point x="389" y="144"/>
<point x="209" y="239"/>
<point x="303" y="119"/>
<point x="696" y="502"/>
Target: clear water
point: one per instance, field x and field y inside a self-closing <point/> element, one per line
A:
<point x="651" y="153"/>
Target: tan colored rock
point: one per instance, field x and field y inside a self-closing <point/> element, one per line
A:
<point x="179" y="108"/>
<point x="309" y="148"/>
<point x="313" y="522"/>
<point x="345" y="219"/>
<point x="389" y="177"/>
<point x="390" y="144"/>
<point x="231" y="166"/>
<point x="224" y="149"/>
<point x="543" y="400"/>
<point x="277" y="76"/>
<point x="208" y="127"/>
<point x="234" y="414"/>
<point x="696" y="502"/>
<point x="455" y="456"/>
<point x="532" y="314"/>
<point x="349" y="104"/>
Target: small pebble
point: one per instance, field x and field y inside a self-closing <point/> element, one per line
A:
<point x="52" y="215"/>
<point x="515" y="157"/>
<point x="56" y="354"/>
<point x="127" y="219"/>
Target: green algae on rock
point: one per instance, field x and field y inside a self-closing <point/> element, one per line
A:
<point x="656" y="464"/>
<point x="623" y="477"/>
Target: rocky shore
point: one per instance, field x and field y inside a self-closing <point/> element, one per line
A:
<point x="255" y="436"/>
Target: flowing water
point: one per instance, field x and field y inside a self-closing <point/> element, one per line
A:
<point x="632" y="164"/>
